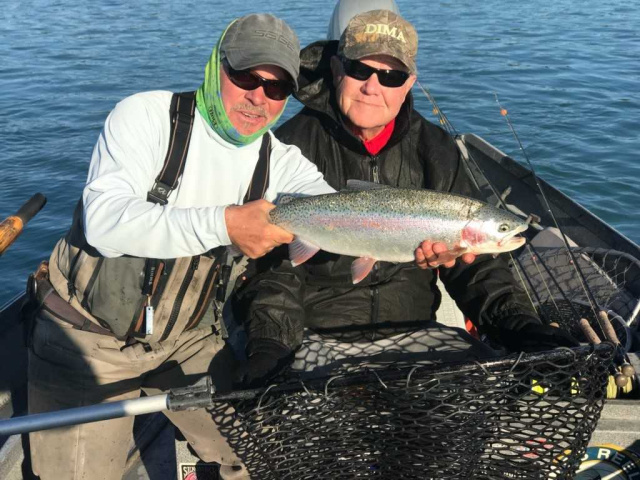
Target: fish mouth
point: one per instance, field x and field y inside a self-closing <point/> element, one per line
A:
<point x="506" y="245"/>
<point x="510" y="241"/>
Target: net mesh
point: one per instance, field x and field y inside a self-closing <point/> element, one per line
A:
<point x="613" y="278"/>
<point x="522" y="417"/>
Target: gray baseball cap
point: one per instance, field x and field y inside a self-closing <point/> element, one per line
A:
<point x="262" y="39"/>
<point x="345" y="10"/>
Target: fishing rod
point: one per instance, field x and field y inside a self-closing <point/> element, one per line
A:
<point x="600" y="314"/>
<point x="12" y="227"/>
<point x="452" y="130"/>
<point x="592" y="300"/>
<point x="602" y="319"/>
<point x="444" y="121"/>
<point x="621" y="378"/>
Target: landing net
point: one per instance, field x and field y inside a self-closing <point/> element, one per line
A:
<point x="613" y="277"/>
<point x="517" y="417"/>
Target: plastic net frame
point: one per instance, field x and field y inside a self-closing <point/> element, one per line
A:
<point x="613" y="277"/>
<point x="517" y="417"/>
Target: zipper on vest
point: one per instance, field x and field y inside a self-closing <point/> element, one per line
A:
<point x="374" y="299"/>
<point x="375" y="169"/>
<point x="73" y="273"/>
<point x="203" y="301"/>
<point x="374" y="294"/>
<point x="151" y="283"/>
<point x="173" y="318"/>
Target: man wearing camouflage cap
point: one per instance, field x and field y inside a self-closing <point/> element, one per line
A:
<point x="173" y="180"/>
<point x="358" y="122"/>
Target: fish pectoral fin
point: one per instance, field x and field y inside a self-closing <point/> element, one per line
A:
<point x="301" y="251"/>
<point x="360" y="268"/>
<point x="362" y="185"/>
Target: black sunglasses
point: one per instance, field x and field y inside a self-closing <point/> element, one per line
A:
<point x="248" y="80"/>
<point x="387" y="78"/>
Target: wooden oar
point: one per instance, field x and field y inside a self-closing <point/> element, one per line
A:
<point x="12" y="227"/>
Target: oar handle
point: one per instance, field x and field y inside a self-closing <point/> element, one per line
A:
<point x="12" y="227"/>
<point x="31" y="207"/>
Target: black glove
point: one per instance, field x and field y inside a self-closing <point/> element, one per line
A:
<point x="267" y="359"/>
<point x="524" y="333"/>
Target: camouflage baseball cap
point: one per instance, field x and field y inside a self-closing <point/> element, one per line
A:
<point x="380" y="32"/>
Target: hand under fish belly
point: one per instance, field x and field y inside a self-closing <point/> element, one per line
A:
<point x="388" y="224"/>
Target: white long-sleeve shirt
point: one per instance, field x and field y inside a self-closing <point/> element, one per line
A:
<point x="127" y="159"/>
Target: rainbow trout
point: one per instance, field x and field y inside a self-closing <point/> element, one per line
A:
<point x="388" y="224"/>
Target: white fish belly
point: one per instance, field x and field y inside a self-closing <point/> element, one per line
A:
<point x="390" y="241"/>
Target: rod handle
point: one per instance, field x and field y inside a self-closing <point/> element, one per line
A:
<point x="588" y="332"/>
<point x="609" y="332"/>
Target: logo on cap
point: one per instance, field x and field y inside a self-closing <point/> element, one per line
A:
<point x="383" y="29"/>
<point x="380" y="32"/>
<point x="274" y="36"/>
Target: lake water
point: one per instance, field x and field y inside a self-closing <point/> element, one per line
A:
<point x="568" y="72"/>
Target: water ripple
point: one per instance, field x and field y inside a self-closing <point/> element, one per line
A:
<point x="567" y="71"/>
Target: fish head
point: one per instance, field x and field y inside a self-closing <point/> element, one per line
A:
<point x="493" y="231"/>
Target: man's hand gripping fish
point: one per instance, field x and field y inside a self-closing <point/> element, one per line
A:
<point x="377" y="222"/>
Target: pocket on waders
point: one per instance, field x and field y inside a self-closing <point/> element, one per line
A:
<point x="115" y="297"/>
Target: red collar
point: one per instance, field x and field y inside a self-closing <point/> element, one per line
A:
<point x="378" y="142"/>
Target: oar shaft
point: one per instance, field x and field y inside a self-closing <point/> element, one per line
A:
<point x="12" y="227"/>
<point x="74" y="416"/>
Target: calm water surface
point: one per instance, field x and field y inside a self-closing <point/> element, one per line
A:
<point x="568" y="72"/>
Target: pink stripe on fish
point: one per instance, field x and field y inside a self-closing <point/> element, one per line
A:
<point x="473" y="234"/>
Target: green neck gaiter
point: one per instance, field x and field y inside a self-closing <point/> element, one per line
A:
<point x="209" y="103"/>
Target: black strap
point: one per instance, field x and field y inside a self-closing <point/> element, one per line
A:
<point x="260" y="179"/>
<point x="182" y="114"/>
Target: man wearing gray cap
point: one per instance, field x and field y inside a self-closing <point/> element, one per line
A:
<point x="133" y="295"/>
<point x="358" y="122"/>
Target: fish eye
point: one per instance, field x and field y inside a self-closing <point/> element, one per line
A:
<point x="503" y="228"/>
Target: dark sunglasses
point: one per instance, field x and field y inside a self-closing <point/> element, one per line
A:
<point x="248" y="80"/>
<point x="387" y="78"/>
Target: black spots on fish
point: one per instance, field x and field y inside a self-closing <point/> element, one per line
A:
<point x="386" y="203"/>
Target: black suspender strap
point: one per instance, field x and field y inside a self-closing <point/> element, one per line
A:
<point x="182" y="114"/>
<point x="260" y="179"/>
<point x="257" y="190"/>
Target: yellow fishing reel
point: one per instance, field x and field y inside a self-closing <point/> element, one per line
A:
<point x="620" y="384"/>
<point x="540" y="388"/>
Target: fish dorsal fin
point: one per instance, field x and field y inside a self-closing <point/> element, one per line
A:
<point x="284" y="198"/>
<point x="362" y="185"/>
